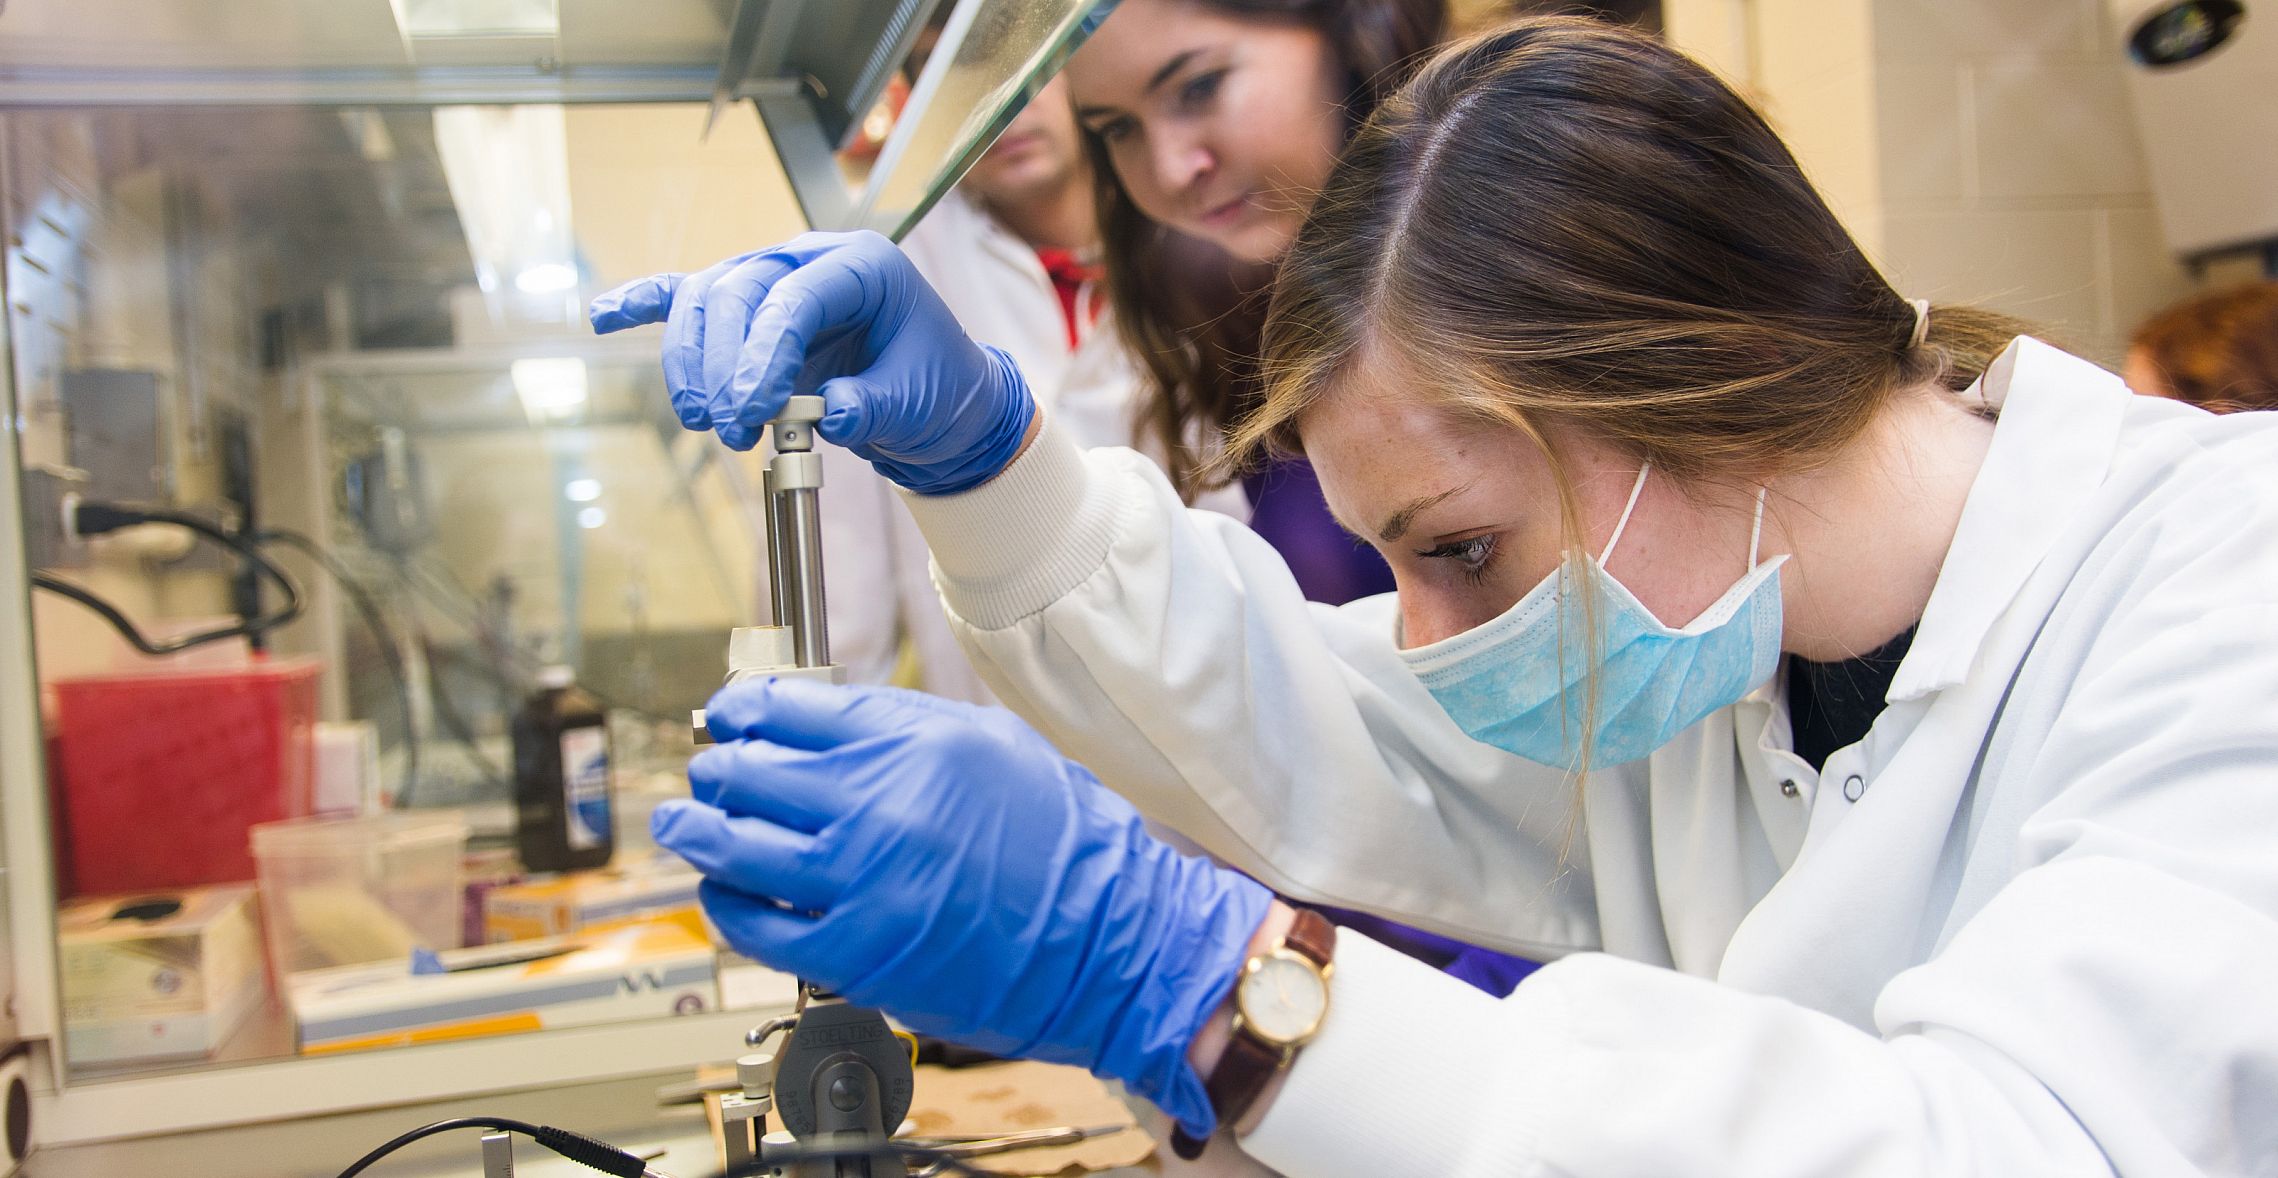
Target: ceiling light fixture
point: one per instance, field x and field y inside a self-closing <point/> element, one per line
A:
<point x="552" y="389"/>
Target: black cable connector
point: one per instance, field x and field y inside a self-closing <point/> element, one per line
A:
<point x="87" y="518"/>
<point x="90" y="518"/>
<point x="585" y="1151"/>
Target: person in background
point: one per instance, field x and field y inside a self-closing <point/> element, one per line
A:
<point x="2218" y="351"/>
<point x="1211" y="125"/>
<point x="1014" y="251"/>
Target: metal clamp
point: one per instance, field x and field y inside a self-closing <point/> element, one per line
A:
<point x="798" y="643"/>
<point x="743" y="1113"/>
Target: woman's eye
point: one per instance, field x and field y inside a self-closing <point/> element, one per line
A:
<point x="1112" y="129"/>
<point x="1202" y="88"/>
<point x="1470" y="556"/>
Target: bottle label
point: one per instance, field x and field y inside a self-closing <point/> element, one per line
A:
<point x="585" y="786"/>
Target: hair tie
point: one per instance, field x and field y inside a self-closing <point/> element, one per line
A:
<point x="1921" y="323"/>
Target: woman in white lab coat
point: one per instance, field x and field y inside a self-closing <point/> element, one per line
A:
<point x="1646" y="439"/>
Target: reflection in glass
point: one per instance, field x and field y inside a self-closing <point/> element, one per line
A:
<point x="357" y="334"/>
<point x="282" y="274"/>
<point x="992" y="57"/>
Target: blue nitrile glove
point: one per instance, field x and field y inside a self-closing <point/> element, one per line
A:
<point x="944" y="864"/>
<point x="845" y="314"/>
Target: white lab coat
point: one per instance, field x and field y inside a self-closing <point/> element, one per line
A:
<point x="2028" y="926"/>
<point x="874" y="559"/>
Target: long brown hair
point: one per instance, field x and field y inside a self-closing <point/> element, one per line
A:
<point x="1564" y="223"/>
<point x="1185" y="309"/>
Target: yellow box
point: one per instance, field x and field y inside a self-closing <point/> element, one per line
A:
<point x="161" y="975"/>
<point x="638" y="971"/>
<point x="590" y="901"/>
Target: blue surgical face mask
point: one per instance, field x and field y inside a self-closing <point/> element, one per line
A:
<point x="1520" y="681"/>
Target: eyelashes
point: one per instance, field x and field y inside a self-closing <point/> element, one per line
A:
<point x="1471" y="556"/>
<point x="1197" y="93"/>
<point x="1202" y="89"/>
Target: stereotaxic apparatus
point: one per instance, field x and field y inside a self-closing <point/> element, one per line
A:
<point x="842" y="1076"/>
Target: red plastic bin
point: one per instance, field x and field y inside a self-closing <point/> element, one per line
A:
<point x="161" y="775"/>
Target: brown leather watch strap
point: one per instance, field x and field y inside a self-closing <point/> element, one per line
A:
<point x="1313" y="936"/>
<point x="1249" y="1063"/>
<point x="1241" y="1075"/>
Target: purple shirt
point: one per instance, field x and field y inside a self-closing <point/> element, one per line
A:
<point x="1331" y="566"/>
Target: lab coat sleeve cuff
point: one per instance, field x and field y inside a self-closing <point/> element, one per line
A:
<point x="1414" y="1073"/>
<point x="1013" y="545"/>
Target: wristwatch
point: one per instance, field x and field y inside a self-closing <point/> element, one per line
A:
<point x="1280" y="1002"/>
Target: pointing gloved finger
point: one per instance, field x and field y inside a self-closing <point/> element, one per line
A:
<point x="806" y="714"/>
<point x="635" y="304"/>
<point x="793" y="788"/>
<point x="752" y="854"/>
<point x="760" y="929"/>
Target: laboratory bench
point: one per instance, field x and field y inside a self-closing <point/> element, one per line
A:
<point x="624" y="1112"/>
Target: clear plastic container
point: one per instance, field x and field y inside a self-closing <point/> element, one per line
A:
<point x="344" y="891"/>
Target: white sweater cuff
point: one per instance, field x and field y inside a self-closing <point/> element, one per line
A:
<point x="1414" y="1072"/>
<point x="1019" y="542"/>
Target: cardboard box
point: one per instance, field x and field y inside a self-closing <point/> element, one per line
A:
<point x="591" y="901"/>
<point x="162" y="975"/>
<point x="639" y="971"/>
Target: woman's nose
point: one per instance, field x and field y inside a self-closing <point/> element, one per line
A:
<point x="1433" y="611"/>
<point x="1180" y="159"/>
<point x="1424" y="617"/>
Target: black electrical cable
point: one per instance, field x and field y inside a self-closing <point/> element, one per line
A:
<point x="119" y="621"/>
<point x="607" y="1158"/>
<point x="383" y="635"/>
<point x="577" y="1147"/>
<point x="94" y="519"/>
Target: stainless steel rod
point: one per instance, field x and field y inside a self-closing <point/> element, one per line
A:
<point x="809" y="636"/>
<point x="780" y="579"/>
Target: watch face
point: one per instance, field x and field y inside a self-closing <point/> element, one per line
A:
<point x="1282" y="998"/>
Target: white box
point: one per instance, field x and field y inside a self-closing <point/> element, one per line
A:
<point x="641" y="971"/>
<point x="158" y="976"/>
<point x="347" y="767"/>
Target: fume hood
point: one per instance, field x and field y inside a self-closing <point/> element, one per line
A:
<point x="298" y="249"/>
<point x="816" y="70"/>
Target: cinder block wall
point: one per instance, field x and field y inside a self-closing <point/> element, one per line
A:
<point x="1982" y="150"/>
<point x="2011" y="172"/>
